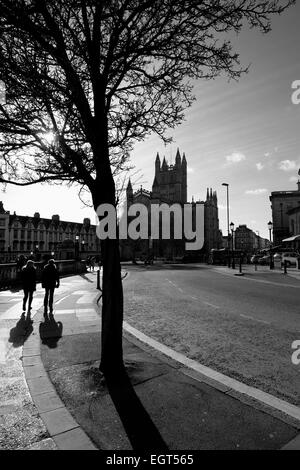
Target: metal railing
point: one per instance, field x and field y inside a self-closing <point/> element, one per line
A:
<point x="10" y="273"/>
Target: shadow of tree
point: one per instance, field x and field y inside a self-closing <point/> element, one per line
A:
<point x="86" y="278"/>
<point x="140" y="429"/>
<point x="21" y="332"/>
<point x="50" y="331"/>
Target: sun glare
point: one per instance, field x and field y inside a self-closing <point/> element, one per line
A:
<point x="49" y="137"/>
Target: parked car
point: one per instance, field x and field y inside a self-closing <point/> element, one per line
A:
<point x="291" y="259"/>
<point x="264" y="260"/>
<point x="277" y="257"/>
<point x="254" y="259"/>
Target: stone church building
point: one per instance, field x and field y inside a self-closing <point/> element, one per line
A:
<point x="170" y="187"/>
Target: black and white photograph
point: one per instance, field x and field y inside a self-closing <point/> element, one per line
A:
<point x="149" y="229"/>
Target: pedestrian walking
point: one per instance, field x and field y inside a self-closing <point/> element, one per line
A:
<point x="50" y="281"/>
<point x="28" y="279"/>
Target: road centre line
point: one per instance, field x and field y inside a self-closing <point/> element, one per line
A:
<point x="211" y="305"/>
<point x="254" y="319"/>
<point x="171" y="282"/>
<point x="195" y="298"/>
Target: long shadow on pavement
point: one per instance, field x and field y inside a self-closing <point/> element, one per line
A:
<point x="21" y="332"/>
<point x="84" y="276"/>
<point x="140" y="429"/>
<point x="50" y="331"/>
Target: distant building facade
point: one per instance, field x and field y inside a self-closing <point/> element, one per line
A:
<point x="170" y="187"/>
<point x="248" y="241"/>
<point x="293" y="240"/>
<point x="282" y="205"/>
<point x="25" y="235"/>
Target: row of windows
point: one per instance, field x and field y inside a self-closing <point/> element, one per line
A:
<point x="22" y="245"/>
<point x="51" y="235"/>
<point x="42" y="227"/>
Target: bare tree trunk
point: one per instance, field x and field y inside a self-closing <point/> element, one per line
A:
<point x="112" y="289"/>
<point x="112" y="309"/>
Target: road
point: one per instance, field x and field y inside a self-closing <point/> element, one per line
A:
<point x="241" y="326"/>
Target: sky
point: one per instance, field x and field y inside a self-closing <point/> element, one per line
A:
<point x="244" y="133"/>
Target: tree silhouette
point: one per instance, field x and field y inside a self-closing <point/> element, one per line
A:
<point x="86" y="79"/>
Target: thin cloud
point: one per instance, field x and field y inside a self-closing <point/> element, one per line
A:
<point x="288" y="165"/>
<point x="293" y="179"/>
<point x="235" y="157"/>
<point x="190" y="170"/>
<point x="256" y="192"/>
<point x="259" y="166"/>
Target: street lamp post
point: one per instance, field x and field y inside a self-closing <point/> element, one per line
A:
<point x="82" y="246"/>
<point x="258" y="240"/>
<point x="270" y="226"/>
<point x="228" y="234"/>
<point x="76" y="247"/>
<point x="232" y="245"/>
<point x="37" y="254"/>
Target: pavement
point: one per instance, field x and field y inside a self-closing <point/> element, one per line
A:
<point x="55" y="398"/>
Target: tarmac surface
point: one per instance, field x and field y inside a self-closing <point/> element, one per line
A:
<point x="162" y="404"/>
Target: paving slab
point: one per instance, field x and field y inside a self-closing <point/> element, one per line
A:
<point x="34" y="371"/>
<point x="48" y="402"/>
<point x="75" y="439"/>
<point x="40" y="385"/>
<point x="31" y="361"/>
<point x="58" y="421"/>
<point x="294" y="444"/>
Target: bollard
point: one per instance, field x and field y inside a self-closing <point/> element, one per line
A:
<point x="240" y="273"/>
<point x="98" y="279"/>
<point x="284" y="267"/>
<point x="255" y="266"/>
<point x="299" y="263"/>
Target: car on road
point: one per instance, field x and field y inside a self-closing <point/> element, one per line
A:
<point x="291" y="259"/>
<point x="264" y="260"/>
<point x="254" y="259"/>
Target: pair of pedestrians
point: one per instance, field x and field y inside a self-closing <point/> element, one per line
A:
<point x="50" y="280"/>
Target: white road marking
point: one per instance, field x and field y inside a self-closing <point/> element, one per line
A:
<point x="87" y="298"/>
<point x="233" y="384"/>
<point x="254" y="319"/>
<point x="60" y="300"/>
<point x="210" y="305"/>
<point x="195" y="298"/>
<point x="173" y="284"/>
